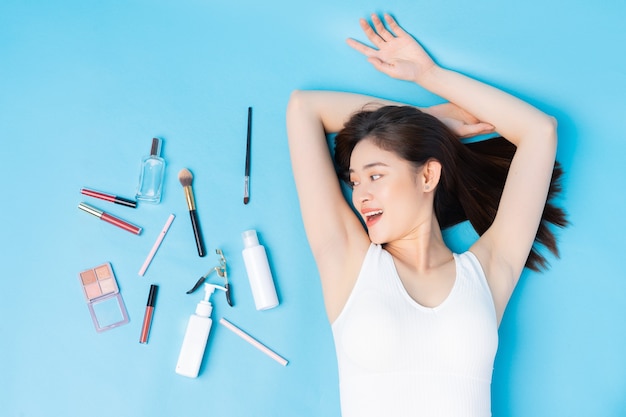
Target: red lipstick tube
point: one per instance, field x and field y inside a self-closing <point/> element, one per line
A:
<point x="147" y="318"/>
<point x="109" y="197"/>
<point x="109" y="218"/>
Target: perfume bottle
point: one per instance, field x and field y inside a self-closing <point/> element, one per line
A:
<point x="151" y="175"/>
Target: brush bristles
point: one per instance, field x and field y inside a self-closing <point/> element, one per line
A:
<point x="185" y="177"/>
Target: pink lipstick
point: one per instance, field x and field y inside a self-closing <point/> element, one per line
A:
<point x="109" y="218"/>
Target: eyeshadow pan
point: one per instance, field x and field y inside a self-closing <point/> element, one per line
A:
<point x="108" y="286"/>
<point x="88" y="277"/>
<point x="103" y="271"/>
<point x="92" y="291"/>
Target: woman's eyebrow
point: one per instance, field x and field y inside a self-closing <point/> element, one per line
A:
<point x="371" y="165"/>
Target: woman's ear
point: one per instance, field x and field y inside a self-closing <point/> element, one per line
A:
<point x="431" y="174"/>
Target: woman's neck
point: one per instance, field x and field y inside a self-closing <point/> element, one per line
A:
<point x="421" y="250"/>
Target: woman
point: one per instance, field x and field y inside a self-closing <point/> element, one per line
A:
<point x="415" y="325"/>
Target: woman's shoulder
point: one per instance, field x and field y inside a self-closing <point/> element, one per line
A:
<point x="470" y="263"/>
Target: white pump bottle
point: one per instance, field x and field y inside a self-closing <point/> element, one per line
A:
<point x="197" y="335"/>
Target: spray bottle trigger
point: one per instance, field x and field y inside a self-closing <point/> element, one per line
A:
<point x="210" y="288"/>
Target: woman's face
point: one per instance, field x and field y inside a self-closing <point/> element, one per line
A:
<point x="387" y="192"/>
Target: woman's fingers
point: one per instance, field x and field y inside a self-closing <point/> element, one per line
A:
<point x="371" y="34"/>
<point x="360" y="47"/>
<point x="394" y="26"/>
<point x="381" y="30"/>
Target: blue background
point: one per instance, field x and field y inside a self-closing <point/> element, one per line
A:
<point x="85" y="85"/>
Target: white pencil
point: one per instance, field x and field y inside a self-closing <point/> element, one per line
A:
<point x="156" y="245"/>
<point x="245" y="336"/>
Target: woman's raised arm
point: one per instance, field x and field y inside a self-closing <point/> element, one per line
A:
<point x="336" y="237"/>
<point x="504" y="248"/>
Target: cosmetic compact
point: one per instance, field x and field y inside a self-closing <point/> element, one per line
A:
<point x="103" y="296"/>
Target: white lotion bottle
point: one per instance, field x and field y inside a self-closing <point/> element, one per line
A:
<point x="197" y="335"/>
<point x="259" y="274"/>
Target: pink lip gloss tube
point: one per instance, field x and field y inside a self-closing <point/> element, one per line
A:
<point x="147" y="318"/>
<point x="109" y="218"/>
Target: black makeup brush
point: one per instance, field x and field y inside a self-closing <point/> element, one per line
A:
<point x="185" y="177"/>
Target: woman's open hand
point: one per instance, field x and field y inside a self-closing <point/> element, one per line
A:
<point x="395" y="52"/>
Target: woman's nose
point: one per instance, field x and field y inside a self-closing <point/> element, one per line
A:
<point x="362" y="195"/>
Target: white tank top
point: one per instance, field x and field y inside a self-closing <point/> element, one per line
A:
<point x="398" y="358"/>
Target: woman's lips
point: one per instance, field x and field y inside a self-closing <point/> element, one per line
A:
<point x="372" y="217"/>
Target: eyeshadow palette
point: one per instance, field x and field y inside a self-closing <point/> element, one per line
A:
<point x="104" y="299"/>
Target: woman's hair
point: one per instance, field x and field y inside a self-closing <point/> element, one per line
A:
<point x="472" y="174"/>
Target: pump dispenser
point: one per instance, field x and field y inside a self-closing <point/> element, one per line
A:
<point x="197" y="335"/>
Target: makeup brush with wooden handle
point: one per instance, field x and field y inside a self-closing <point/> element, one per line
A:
<point x="186" y="178"/>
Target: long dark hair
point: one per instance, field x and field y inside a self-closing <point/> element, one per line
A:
<point x="472" y="176"/>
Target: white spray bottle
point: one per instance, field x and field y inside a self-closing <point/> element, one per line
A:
<point x="197" y="335"/>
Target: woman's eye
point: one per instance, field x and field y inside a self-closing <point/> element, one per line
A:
<point x="375" y="177"/>
<point x="353" y="183"/>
